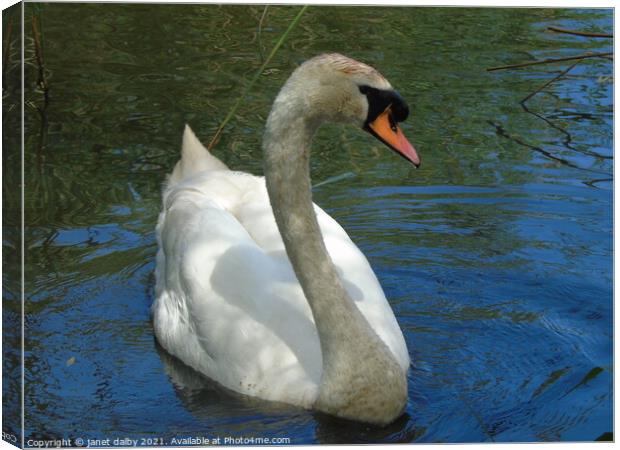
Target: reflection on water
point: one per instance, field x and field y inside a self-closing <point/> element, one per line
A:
<point x="234" y="415"/>
<point x="495" y="254"/>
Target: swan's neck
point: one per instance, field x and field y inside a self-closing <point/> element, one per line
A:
<point x="361" y="378"/>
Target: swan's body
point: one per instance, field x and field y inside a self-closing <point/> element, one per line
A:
<point x="232" y="305"/>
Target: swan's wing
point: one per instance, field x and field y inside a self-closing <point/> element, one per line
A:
<point x="224" y="305"/>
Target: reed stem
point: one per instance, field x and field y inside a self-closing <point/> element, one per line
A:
<point x="275" y="48"/>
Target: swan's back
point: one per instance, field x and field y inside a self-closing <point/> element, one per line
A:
<point x="228" y="302"/>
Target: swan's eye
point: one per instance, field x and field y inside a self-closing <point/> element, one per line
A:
<point x="393" y="126"/>
<point x="364" y="89"/>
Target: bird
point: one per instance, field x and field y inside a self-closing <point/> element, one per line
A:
<point x="261" y="290"/>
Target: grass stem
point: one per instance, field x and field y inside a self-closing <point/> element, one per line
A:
<point x="249" y="86"/>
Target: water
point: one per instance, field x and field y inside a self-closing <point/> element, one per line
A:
<point x="496" y="254"/>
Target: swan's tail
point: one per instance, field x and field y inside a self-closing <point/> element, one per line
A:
<point x="194" y="158"/>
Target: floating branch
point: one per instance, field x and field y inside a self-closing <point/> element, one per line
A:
<point x="569" y="139"/>
<point x="275" y="48"/>
<point x="593" y="183"/>
<point x="501" y="132"/>
<point x="581" y="33"/>
<point x="552" y="60"/>
<point x="564" y="72"/>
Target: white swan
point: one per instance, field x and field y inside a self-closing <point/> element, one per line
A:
<point x="283" y="308"/>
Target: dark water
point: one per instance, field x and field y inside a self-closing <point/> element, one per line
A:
<point x="496" y="254"/>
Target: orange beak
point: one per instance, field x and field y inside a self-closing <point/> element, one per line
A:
<point x="388" y="132"/>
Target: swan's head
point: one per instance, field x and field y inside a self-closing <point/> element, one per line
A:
<point x="341" y="89"/>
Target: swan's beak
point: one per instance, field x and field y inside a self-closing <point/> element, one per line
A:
<point x="387" y="131"/>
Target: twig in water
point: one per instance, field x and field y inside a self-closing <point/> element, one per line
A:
<point x="580" y="33"/>
<point x="593" y="183"/>
<point x="501" y="132"/>
<point x="553" y="80"/>
<point x="569" y="139"/>
<point x="552" y="60"/>
<point x="275" y="48"/>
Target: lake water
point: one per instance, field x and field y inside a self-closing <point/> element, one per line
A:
<point x="496" y="255"/>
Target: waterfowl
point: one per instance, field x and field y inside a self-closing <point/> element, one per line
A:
<point x="261" y="290"/>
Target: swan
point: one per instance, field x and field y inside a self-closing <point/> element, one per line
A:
<point x="261" y="290"/>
